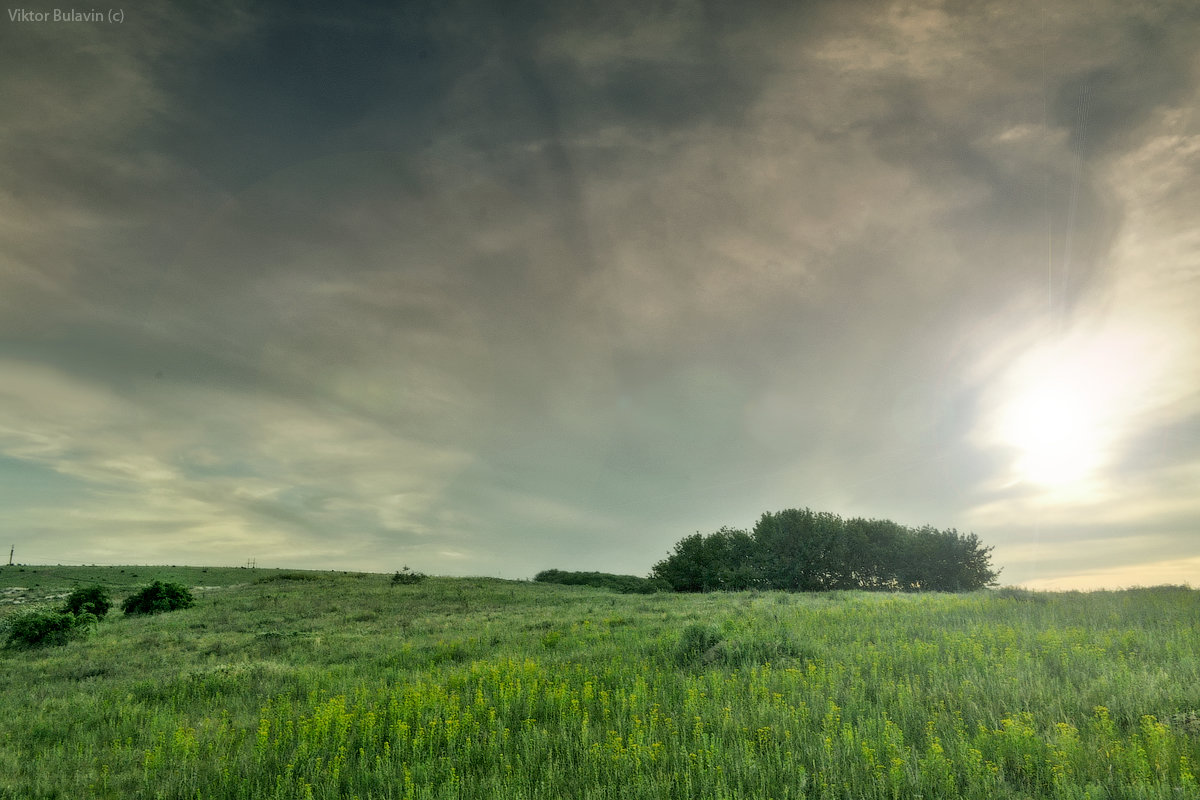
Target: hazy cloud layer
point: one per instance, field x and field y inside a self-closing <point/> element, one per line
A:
<point x="490" y="292"/>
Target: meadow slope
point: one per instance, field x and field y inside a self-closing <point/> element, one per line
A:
<point x="332" y="685"/>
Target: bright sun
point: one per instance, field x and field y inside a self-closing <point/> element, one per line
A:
<point x="1067" y="404"/>
<point x="1055" y="427"/>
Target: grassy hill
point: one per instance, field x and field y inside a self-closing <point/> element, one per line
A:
<point x="27" y="584"/>
<point x="334" y="685"/>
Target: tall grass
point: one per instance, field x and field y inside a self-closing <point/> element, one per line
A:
<point x="349" y="687"/>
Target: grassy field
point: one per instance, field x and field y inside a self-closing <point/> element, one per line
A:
<point x="332" y="685"/>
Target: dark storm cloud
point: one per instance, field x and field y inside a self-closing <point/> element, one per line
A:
<point x="298" y="84"/>
<point x="1146" y="62"/>
<point x="458" y="280"/>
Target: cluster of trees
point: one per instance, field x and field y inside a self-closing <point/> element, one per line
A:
<point x="806" y="551"/>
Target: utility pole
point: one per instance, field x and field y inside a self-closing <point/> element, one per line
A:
<point x="11" y="550"/>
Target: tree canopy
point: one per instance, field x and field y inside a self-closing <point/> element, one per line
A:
<point x="802" y="550"/>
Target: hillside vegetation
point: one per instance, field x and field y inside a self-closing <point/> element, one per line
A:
<point x="625" y="584"/>
<point x="330" y="685"/>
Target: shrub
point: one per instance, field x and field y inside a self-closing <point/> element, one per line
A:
<point x="158" y="597"/>
<point x="699" y="643"/>
<point x="625" y="584"/>
<point x="767" y="648"/>
<point x="92" y="599"/>
<point x="38" y="628"/>
<point x="407" y="577"/>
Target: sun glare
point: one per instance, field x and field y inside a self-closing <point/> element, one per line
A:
<point x="1067" y="404"/>
<point x="1054" y="427"/>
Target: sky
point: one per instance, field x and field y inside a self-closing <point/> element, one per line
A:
<point x="490" y="288"/>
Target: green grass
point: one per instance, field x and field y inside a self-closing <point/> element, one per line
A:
<point x="332" y="685"/>
<point x="40" y="584"/>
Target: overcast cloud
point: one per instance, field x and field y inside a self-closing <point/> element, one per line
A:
<point x="485" y="291"/>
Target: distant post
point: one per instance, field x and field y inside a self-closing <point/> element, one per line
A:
<point x="11" y="550"/>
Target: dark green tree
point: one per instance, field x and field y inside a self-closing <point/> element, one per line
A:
<point x="797" y="549"/>
<point x="881" y="542"/>
<point x="685" y="569"/>
<point x="724" y="560"/>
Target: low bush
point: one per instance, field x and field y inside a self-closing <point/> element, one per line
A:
<point x="157" y="598"/>
<point x="702" y="645"/>
<point x="407" y="577"/>
<point x="39" y="628"/>
<point x="625" y="584"/>
<point x="90" y="599"/>
<point x="699" y="644"/>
